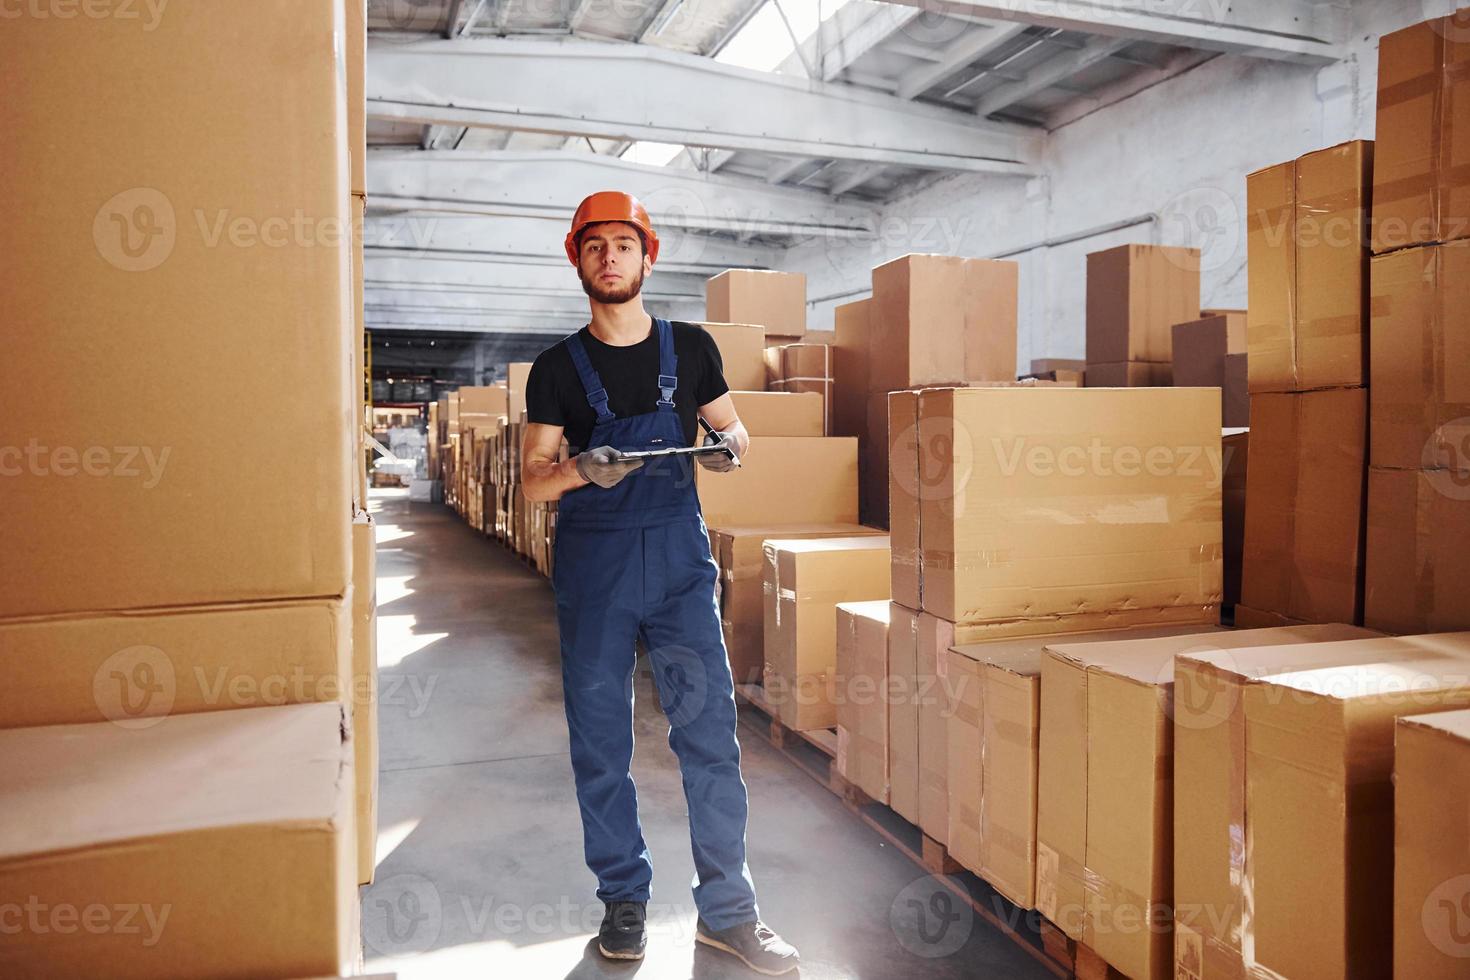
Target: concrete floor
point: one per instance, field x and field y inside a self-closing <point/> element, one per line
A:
<point x="480" y="868"/>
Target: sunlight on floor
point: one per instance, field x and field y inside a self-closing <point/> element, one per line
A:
<point x="398" y="641"/>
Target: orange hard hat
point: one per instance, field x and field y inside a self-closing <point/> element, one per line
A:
<point x="612" y="206"/>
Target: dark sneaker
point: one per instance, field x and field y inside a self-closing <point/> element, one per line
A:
<point x="755" y="944"/>
<point x="621" y="936"/>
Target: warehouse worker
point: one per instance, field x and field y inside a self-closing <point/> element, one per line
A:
<point x="633" y="560"/>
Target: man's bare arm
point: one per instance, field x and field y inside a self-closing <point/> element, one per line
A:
<point x="543" y="476"/>
<point x="720" y="413"/>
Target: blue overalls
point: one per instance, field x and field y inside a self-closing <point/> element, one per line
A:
<point x="634" y="561"/>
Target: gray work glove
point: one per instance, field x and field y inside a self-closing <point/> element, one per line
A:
<point x="605" y="466"/>
<point x="719" y="462"/>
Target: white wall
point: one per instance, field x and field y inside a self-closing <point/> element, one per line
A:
<point x="1180" y="150"/>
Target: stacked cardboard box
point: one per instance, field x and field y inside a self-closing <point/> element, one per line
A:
<point x="1307" y="338"/>
<point x="1431" y="878"/>
<point x="774" y="300"/>
<point x="1235" y="445"/>
<point x="1211" y="353"/>
<point x="861" y="694"/>
<point x="1135" y="295"/>
<point x="196" y="584"/>
<point x="804" y="580"/>
<point x="808" y="368"/>
<point x="1064" y="371"/>
<point x="1418" y="536"/>
<point x="742" y="353"/>
<point x="779" y="413"/>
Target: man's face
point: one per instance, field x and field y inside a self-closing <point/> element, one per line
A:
<point x="613" y="263"/>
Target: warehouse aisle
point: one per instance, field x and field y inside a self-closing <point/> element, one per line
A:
<point x="479" y="850"/>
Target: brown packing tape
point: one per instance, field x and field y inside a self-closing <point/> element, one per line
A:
<point x="1050" y="862"/>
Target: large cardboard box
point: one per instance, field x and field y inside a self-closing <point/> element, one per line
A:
<point x="1431" y="851"/>
<point x="775" y="300"/>
<point x="1236" y="394"/>
<point x="1210" y="827"/>
<point x="1200" y="348"/>
<point x="940" y="319"/>
<point x="760" y="491"/>
<point x="804" y="581"/>
<point x="1302" y="556"/>
<point x="964" y="760"/>
<point x="742" y="353"/>
<point x="806" y="361"/>
<point x="1419" y="396"/>
<point x="1308" y="253"/>
<point x="1135" y="295"/>
<point x="1052" y="501"/>
<point x="479" y="405"/>
<point x="138" y="830"/>
<point x="739" y="552"/>
<point x="516" y="375"/>
<point x="1127" y="861"/>
<point x="905" y="490"/>
<point x="1421" y="189"/>
<point x="779" y="413"/>
<point x="1319" y="802"/>
<point x="174" y="235"/>
<point x="364" y="698"/>
<point x="903" y="712"/>
<point x="1130" y="374"/>
<point x="850" y="369"/>
<point x="1417" y="562"/>
<point x="355" y="47"/>
<point x="935" y="692"/>
<point x="874" y="457"/>
<point x="862" y="696"/>
<point x="136" y="668"/>
<point x="1236" y="446"/>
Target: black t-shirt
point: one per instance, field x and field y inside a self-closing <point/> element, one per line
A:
<point x="555" y="396"/>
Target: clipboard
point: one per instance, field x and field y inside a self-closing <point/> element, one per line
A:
<point x="675" y="451"/>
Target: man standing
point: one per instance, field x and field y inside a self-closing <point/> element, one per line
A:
<point x="633" y="560"/>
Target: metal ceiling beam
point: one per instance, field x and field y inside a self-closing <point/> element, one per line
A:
<point x="1049" y="73"/>
<point x="1285" y="30"/>
<point x="856" y="179"/>
<point x="550" y="183"/>
<point x="539" y="241"/>
<point x="870" y="27"/>
<point x="964" y="50"/>
<point x="784" y="168"/>
<point x="470" y="277"/>
<point x="559" y="86"/>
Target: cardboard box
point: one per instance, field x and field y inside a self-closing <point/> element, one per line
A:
<point x="775" y="300"/>
<point x="1417" y="562"/>
<point x="806" y="361"/>
<point x="173" y="235"/>
<point x="1421" y="192"/>
<point x="480" y="405"/>
<point x="1209" y="792"/>
<point x="1319" y="801"/>
<point x="1420" y="390"/>
<point x="1235" y="444"/>
<point x="874" y="456"/>
<point x="1054" y="365"/>
<point x="904" y="494"/>
<point x="942" y="320"/>
<point x="1308" y="254"/>
<point x="355" y="47"/>
<point x="1127" y="873"/>
<point x="1040" y="503"/>
<point x="742" y="357"/>
<point x="759" y="492"/>
<point x="136" y="667"/>
<point x="862" y="696"/>
<point x="1201" y="348"/>
<point x="516" y="375"/>
<point x="1130" y="374"/>
<point x="934" y="690"/>
<point x="779" y="413"/>
<point x="145" y="826"/>
<point x="804" y="582"/>
<point x="1302" y="556"/>
<point x="1135" y="295"/>
<point x="364" y="699"/>
<point x="850" y="369"/>
<point x="903" y="712"/>
<point x="738" y="550"/>
<point x="1431" y="860"/>
<point x="964" y="760"/>
<point x="1235" y="396"/>
<point x="771" y="358"/>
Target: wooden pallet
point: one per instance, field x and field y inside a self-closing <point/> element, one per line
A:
<point x="815" y="754"/>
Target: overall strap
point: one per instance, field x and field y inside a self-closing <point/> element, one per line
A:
<point x="668" y="365"/>
<point x="591" y="383"/>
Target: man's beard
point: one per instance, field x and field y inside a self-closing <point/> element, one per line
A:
<point x="611" y="296"/>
